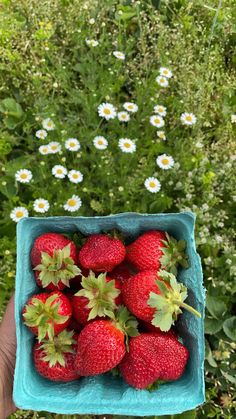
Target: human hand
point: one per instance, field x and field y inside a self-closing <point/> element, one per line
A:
<point x="7" y="360"/>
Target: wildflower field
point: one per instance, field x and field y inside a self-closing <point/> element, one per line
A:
<point x="110" y="106"/>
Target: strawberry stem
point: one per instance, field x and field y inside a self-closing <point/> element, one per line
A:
<point x="188" y="307"/>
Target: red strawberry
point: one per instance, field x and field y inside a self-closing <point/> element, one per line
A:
<point x="54" y="259"/>
<point x="101" y="344"/>
<point x="101" y="253"/>
<point x="47" y="315"/>
<point x="157" y="299"/>
<point x="153" y="357"/>
<point x="121" y="272"/>
<point x="55" y="360"/>
<point x="154" y="250"/>
<point x="99" y="297"/>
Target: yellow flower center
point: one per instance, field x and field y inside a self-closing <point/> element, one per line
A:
<point x="165" y="161"/>
<point x="41" y="134"/>
<point x="49" y="124"/>
<point x="23" y="176"/>
<point x="130" y="106"/>
<point x="106" y="111"/>
<point x="162" y="135"/>
<point x="157" y="120"/>
<point x="123" y="116"/>
<point x="152" y="184"/>
<point x="19" y="214"/>
<point x="54" y="147"/>
<point x="162" y="80"/>
<point x="59" y="171"/>
<point x="100" y="142"/>
<point x="160" y="109"/>
<point x="188" y="118"/>
<point x="44" y="150"/>
<point x="71" y="202"/>
<point x="75" y="176"/>
<point x="165" y="71"/>
<point x="41" y="205"/>
<point x="72" y="144"/>
<point x="127" y="145"/>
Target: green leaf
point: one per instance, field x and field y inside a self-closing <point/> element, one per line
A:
<point x="229" y="377"/>
<point x="215" y="306"/>
<point x="212" y="326"/>
<point x="209" y="356"/>
<point x="229" y="327"/>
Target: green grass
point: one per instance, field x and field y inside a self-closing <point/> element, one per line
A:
<point x="48" y="70"/>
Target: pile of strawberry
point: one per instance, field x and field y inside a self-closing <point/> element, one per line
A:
<point x="108" y="307"/>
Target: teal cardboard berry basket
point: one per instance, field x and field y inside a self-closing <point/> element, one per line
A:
<point x="106" y="394"/>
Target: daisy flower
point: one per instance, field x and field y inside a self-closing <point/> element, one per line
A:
<point x="41" y="134"/>
<point x="107" y="111"/>
<point x="44" y="149"/>
<point x="157" y="121"/>
<point x="59" y="171"/>
<point x="91" y="42"/>
<point x="41" y="205"/>
<point x="162" y="81"/>
<point x="161" y="110"/>
<point x="72" y="144"/>
<point x="188" y="118"/>
<point x="130" y="107"/>
<point x="48" y="124"/>
<point x="233" y="119"/>
<point x="75" y="176"/>
<point x="120" y="55"/>
<point x="152" y="184"/>
<point x="23" y="176"/>
<point x="126" y="145"/>
<point x="161" y="135"/>
<point x="123" y="116"/>
<point x="100" y="142"/>
<point x="165" y="72"/>
<point x="73" y="204"/>
<point x="18" y="213"/>
<point x="165" y="162"/>
<point x="54" y="147"/>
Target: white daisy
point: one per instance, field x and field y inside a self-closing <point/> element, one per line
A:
<point x="54" y="147"/>
<point x="165" y="162"/>
<point x="91" y="42"/>
<point x="123" y="116"/>
<point x="157" y="121"/>
<point x="18" y="213"/>
<point x="72" y="144"/>
<point x="161" y="110"/>
<point x="100" y="142"/>
<point x="127" y="145"/>
<point x="41" y="134"/>
<point x="92" y="21"/>
<point x="23" y="176"/>
<point x="233" y="119"/>
<point x="41" y="205"/>
<point x="165" y="72"/>
<point x="48" y="124"/>
<point x="188" y="118"/>
<point x="73" y="204"/>
<point x="162" y="81"/>
<point x="130" y="107"/>
<point x="59" y="171"/>
<point x="107" y="111"/>
<point x="120" y="55"/>
<point x="44" y="149"/>
<point x="152" y="184"/>
<point x="75" y="176"/>
<point x="162" y="135"/>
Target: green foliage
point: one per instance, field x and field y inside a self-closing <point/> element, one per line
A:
<point x="47" y="70"/>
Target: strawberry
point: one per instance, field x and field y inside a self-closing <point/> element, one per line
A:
<point x="121" y="272"/>
<point x="101" y="344"/>
<point x="54" y="259"/>
<point x="99" y="297"/>
<point x="154" y="250"/>
<point x="157" y="299"/>
<point x="153" y="357"/>
<point x="55" y="360"/>
<point x="47" y="315"/>
<point x="101" y="253"/>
